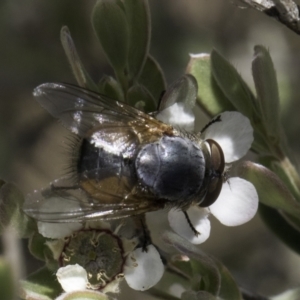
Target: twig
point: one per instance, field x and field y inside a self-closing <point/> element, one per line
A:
<point x="284" y="11"/>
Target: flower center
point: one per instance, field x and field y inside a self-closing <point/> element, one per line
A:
<point x="99" y="252"/>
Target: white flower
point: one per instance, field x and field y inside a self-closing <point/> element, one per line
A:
<point x="237" y="202"/>
<point x="100" y="268"/>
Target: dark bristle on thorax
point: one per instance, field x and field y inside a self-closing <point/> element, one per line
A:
<point x="73" y="152"/>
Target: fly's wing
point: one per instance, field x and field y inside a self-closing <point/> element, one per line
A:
<point x="107" y="124"/>
<point x="81" y="110"/>
<point x="64" y="202"/>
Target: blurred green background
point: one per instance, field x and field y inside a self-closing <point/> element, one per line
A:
<point x="33" y="144"/>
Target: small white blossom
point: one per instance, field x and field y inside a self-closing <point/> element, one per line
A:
<point x="141" y="269"/>
<point x="238" y="199"/>
<point x="58" y="230"/>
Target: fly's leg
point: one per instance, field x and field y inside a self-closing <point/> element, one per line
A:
<point x="217" y="119"/>
<point x="190" y="224"/>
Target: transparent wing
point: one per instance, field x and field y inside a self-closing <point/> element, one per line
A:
<point x="81" y="110"/>
<point x="63" y="202"/>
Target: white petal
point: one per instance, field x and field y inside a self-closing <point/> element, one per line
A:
<point x="58" y="230"/>
<point x="179" y="115"/>
<point x="234" y="134"/>
<point x="143" y="269"/>
<point x="72" y="278"/>
<point x="237" y="203"/>
<point x="199" y="219"/>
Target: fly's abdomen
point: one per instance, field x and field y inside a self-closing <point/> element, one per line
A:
<point x="172" y="168"/>
<point x="104" y="174"/>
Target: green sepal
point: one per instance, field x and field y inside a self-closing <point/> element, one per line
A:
<point x="152" y="77"/>
<point x="233" y="86"/>
<point x="109" y="87"/>
<point x="280" y="227"/>
<point x="206" y="275"/>
<point x="210" y="97"/>
<point x="229" y="289"/>
<point x="11" y="212"/>
<point x="7" y="284"/>
<point x="200" y="295"/>
<point x="40" y="285"/>
<point x="270" y="189"/>
<point x="264" y="76"/>
<point x="37" y="246"/>
<point x="85" y="295"/>
<point x="82" y="77"/>
<point x="110" y="24"/>
<point x="139" y="97"/>
<point x="183" y="90"/>
<point x="138" y="18"/>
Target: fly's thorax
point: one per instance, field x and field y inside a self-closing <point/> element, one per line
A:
<point x="172" y="168"/>
<point x="214" y="172"/>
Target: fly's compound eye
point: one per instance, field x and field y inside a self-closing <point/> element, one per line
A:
<point x="216" y="170"/>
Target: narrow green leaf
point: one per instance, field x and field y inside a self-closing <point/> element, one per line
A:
<point x="202" y="295"/>
<point x="184" y="89"/>
<point x="85" y="295"/>
<point x="41" y="285"/>
<point x="206" y="275"/>
<point x="210" y="96"/>
<point x="11" y="213"/>
<point x="139" y="97"/>
<point x="138" y="18"/>
<point x="229" y="289"/>
<point x="280" y="227"/>
<point x="82" y="77"/>
<point x="110" y="24"/>
<point x="271" y="190"/>
<point x="152" y="77"/>
<point x="109" y="87"/>
<point x="233" y="86"/>
<point x="292" y="294"/>
<point x="7" y="285"/>
<point x="264" y="76"/>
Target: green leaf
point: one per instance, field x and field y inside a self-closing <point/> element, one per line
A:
<point x="233" y="86"/>
<point x="152" y="77"/>
<point x="182" y="90"/>
<point x="7" y="285"/>
<point x="292" y="294"/>
<point x="41" y="285"/>
<point x="138" y="18"/>
<point x="109" y="87"/>
<point x="82" y="77"/>
<point x="85" y="295"/>
<point x="206" y="275"/>
<point x="110" y="24"/>
<point x="11" y="213"/>
<point x="229" y="288"/>
<point x="281" y="228"/>
<point x="267" y="90"/>
<point x="139" y="97"/>
<point x="271" y="190"/>
<point x="210" y="96"/>
<point x="202" y="295"/>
